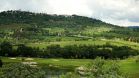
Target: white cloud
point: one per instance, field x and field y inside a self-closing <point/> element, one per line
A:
<point x="119" y="12"/>
<point x="69" y="7"/>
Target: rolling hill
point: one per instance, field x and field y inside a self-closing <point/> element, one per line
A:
<point x="17" y="25"/>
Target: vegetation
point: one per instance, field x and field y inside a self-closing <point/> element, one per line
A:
<point x="1" y="63"/>
<point x="58" y="66"/>
<point x="70" y="51"/>
<point x="137" y="59"/>
<point x="40" y="27"/>
<point x="98" y="69"/>
<point x="73" y="40"/>
<point x="21" y="71"/>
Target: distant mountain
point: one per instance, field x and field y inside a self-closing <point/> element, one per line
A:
<point x="133" y="26"/>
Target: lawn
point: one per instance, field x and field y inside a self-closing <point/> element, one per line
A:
<point x="130" y="66"/>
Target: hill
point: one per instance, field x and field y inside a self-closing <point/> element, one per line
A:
<point x="17" y="25"/>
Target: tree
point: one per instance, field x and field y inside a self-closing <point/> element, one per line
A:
<point x="25" y="51"/>
<point x="1" y="63"/>
<point x="6" y="48"/>
<point x="53" y="51"/>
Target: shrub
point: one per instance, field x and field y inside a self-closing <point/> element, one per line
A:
<point x="17" y="70"/>
<point x="101" y="68"/>
<point x="137" y="59"/>
<point x="70" y="75"/>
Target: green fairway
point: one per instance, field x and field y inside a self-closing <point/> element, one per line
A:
<point x="55" y="62"/>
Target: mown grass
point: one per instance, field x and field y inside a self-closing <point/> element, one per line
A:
<point x="130" y="66"/>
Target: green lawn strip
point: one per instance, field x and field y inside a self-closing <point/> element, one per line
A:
<point x="64" y="62"/>
<point x="130" y="67"/>
<point x="10" y="60"/>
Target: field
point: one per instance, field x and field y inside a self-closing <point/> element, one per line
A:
<point x="128" y="66"/>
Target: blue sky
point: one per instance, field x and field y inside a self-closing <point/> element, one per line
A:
<point x="118" y="12"/>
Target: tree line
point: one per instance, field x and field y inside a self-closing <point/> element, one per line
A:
<point x="69" y="51"/>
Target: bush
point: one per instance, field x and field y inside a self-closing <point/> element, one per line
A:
<point x="70" y="75"/>
<point x="137" y="59"/>
<point x="21" y="71"/>
<point x="101" y="68"/>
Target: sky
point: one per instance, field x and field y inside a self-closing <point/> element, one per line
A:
<point x="118" y="12"/>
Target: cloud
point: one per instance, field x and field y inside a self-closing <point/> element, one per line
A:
<point x="119" y="12"/>
<point x="29" y="5"/>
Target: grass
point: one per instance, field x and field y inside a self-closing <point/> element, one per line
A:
<point x="87" y="42"/>
<point x="59" y="62"/>
<point x="64" y="43"/>
<point x="131" y="67"/>
<point x="128" y="66"/>
<point x="95" y="30"/>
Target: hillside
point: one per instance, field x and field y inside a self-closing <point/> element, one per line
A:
<point x="17" y="25"/>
